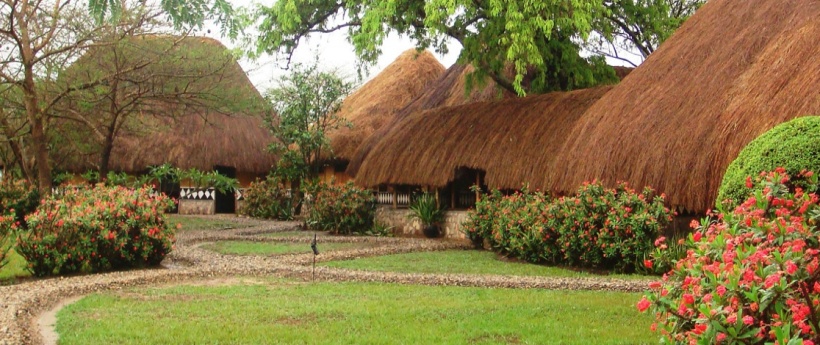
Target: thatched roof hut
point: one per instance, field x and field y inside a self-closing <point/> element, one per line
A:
<point x="217" y="113"/>
<point x="448" y="90"/>
<point x="513" y="140"/>
<point x="733" y="71"/>
<point x="378" y="100"/>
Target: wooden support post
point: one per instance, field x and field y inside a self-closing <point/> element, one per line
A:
<point x="438" y="204"/>
<point x="453" y="196"/>
<point x="478" y="186"/>
<point x="395" y="198"/>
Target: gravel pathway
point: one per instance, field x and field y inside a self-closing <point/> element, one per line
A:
<point x="23" y="303"/>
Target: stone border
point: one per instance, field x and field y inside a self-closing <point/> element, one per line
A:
<point x="24" y="302"/>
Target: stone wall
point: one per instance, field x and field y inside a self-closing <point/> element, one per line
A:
<point x="198" y="207"/>
<point x="402" y="226"/>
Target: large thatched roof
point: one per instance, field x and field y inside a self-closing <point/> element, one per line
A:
<point x="448" y="90"/>
<point x="377" y="101"/>
<point x="734" y="70"/>
<point x="217" y="113"/>
<point x="513" y="140"/>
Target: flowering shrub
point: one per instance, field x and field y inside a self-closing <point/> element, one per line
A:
<point x="96" y="229"/>
<point x="267" y="199"/>
<point x="791" y="145"/>
<point x="608" y="227"/>
<point x="342" y="209"/>
<point x="751" y="275"/>
<point x="19" y="198"/>
<point x="600" y="227"/>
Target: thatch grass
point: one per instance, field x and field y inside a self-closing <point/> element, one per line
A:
<point x="733" y="71"/>
<point x="373" y="104"/>
<point x="514" y="141"/>
<point x="217" y="113"/>
<point x="448" y="90"/>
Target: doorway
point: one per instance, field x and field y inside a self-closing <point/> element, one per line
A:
<point x="226" y="202"/>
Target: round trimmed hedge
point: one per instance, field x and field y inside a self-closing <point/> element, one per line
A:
<point x="793" y="145"/>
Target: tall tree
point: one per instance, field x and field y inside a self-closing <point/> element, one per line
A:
<point x="525" y="46"/>
<point x="638" y="27"/>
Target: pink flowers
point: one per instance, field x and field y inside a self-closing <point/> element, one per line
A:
<point x="643" y="304"/>
<point x="647" y="264"/>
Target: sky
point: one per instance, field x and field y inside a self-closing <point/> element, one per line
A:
<point x="334" y="52"/>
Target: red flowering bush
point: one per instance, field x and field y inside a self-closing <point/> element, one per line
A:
<point x="344" y="209"/>
<point x="513" y="225"/>
<point x="599" y="227"/>
<point x="268" y="199"/>
<point x="96" y="229"/>
<point x="17" y="199"/>
<point x="613" y="228"/>
<point x="750" y="276"/>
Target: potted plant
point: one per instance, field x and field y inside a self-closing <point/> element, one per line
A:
<point x="424" y="209"/>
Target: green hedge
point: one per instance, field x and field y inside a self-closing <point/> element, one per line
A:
<point x="793" y="145"/>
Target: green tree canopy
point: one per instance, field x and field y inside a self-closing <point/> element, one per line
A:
<point x="525" y="46"/>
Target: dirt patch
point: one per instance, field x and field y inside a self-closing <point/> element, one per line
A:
<point x="495" y="339"/>
<point x="48" y="320"/>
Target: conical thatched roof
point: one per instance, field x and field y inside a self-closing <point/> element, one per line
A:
<point x="733" y="71"/>
<point x="377" y="101"/>
<point x="448" y="90"/>
<point x="217" y="113"/>
<point x="513" y="140"/>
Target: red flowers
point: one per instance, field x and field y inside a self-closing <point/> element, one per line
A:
<point x="647" y="264"/>
<point x="643" y="304"/>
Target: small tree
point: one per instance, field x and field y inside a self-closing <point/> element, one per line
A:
<point x="307" y="102"/>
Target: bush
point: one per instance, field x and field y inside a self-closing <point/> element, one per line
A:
<point x="96" y="229"/>
<point x="792" y="145"/>
<point x="751" y="276"/>
<point x="17" y="199"/>
<point x="598" y="228"/>
<point x="267" y="199"/>
<point x="608" y="228"/>
<point x="342" y="209"/>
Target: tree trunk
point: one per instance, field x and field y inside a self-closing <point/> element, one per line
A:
<point x="17" y="150"/>
<point x="38" y="137"/>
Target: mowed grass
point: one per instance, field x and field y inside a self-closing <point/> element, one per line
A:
<point x="463" y="262"/>
<point x="203" y="223"/>
<point x="274" y="248"/>
<point x="282" y="312"/>
<point x="15" y="268"/>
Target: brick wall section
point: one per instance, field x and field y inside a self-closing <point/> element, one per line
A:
<point x="199" y="207"/>
<point x="402" y="226"/>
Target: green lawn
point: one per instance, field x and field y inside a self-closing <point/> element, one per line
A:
<point x="461" y="262"/>
<point x="272" y="248"/>
<point x="200" y="223"/>
<point x="15" y="268"/>
<point x="283" y="312"/>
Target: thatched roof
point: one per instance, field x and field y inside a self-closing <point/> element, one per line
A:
<point x="377" y="101"/>
<point x="448" y="90"/>
<point x="733" y="71"/>
<point x="513" y="140"/>
<point x="218" y="114"/>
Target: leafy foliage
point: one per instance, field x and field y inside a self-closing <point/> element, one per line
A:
<point x="751" y="275"/>
<point x="424" y="208"/>
<point x="268" y="199"/>
<point x="96" y="229"/>
<point x="344" y="209"/>
<point x="506" y="40"/>
<point x="793" y="145"/>
<point x="306" y="101"/>
<point x="610" y="228"/>
<point x="17" y="199"/>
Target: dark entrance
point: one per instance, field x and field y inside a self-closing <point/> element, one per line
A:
<point x="225" y="202"/>
<point x="458" y="194"/>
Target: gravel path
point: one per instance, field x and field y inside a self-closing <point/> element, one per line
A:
<point x="23" y="303"/>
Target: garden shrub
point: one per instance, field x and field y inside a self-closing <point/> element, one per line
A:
<point x="598" y="228"/>
<point x="96" y="229"/>
<point x="344" y="209"/>
<point x="612" y="228"/>
<point x="793" y="145"/>
<point x="267" y="199"/>
<point x="752" y="275"/>
<point x="17" y="199"/>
